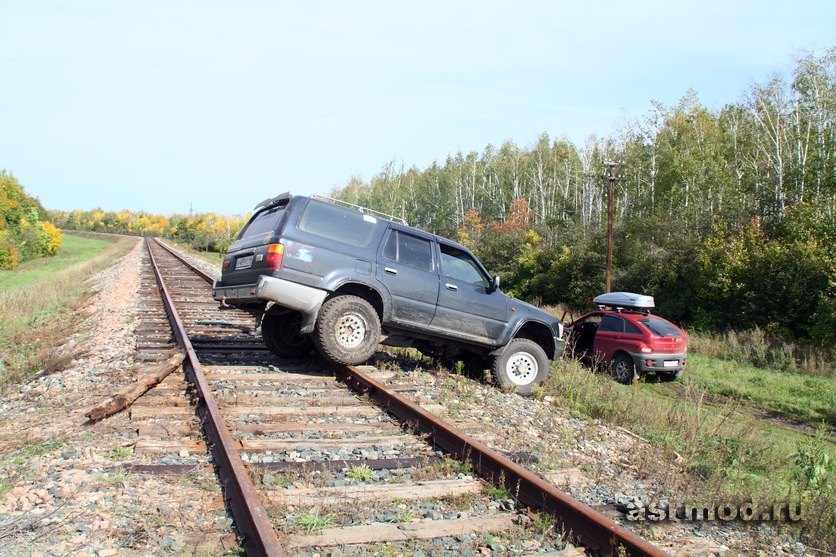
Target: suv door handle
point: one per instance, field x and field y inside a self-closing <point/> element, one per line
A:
<point x="390" y="270"/>
<point x="452" y="287"/>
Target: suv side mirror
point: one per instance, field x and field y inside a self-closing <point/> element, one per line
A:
<point x="494" y="283"/>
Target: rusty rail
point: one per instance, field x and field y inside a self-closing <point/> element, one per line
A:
<point x="579" y="520"/>
<point x="251" y="521"/>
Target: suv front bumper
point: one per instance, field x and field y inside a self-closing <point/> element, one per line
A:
<point x="292" y="295"/>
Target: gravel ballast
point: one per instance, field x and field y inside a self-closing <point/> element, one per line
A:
<point x="65" y="490"/>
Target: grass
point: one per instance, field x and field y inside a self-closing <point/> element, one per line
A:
<point x="36" y="449"/>
<point x="360" y="473"/>
<point x="804" y="398"/>
<point x="73" y="249"/>
<point x="709" y="425"/>
<point x="311" y="521"/>
<point x="39" y="303"/>
<point x="760" y="349"/>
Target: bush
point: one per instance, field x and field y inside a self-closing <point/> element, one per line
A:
<point x="9" y="254"/>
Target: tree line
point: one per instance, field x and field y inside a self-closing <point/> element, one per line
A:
<point x="726" y="216"/>
<point x="203" y="231"/>
<point x="25" y="229"/>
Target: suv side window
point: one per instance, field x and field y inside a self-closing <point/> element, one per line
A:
<point x="409" y="250"/>
<point x="612" y="324"/>
<point x="336" y="223"/>
<point x="459" y="265"/>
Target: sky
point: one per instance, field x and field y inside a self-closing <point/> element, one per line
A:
<point x="172" y="106"/>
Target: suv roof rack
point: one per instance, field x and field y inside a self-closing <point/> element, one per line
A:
<point x="364" y="210"/>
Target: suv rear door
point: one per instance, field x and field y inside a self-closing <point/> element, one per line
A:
<point x="246" y="255"/>
<point x="467" y="306"/>
<point x="407" y="268"/>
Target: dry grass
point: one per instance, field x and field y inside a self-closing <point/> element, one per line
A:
<point x="37" y="316"/>
<point x="711" y="450"/>
<point x="761" y="349"/>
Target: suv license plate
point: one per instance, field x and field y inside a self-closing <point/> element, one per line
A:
<point x="246" y="263"/>
<point x="670" y="363"/>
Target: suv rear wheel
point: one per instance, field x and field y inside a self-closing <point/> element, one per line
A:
<point x="280" y="332"/>
<point x="522" y="364"/>
<point x="347" y="330"/>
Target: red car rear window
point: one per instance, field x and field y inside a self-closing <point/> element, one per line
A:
<point x="660" y="327"/>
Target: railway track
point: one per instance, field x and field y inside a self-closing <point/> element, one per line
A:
<point x="315" y="457"/>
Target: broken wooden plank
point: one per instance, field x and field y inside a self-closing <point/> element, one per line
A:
<point x="158" y="446"/>
<point x="128" y="395"/>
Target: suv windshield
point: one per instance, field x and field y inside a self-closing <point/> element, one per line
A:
<point x="660" y="327"/>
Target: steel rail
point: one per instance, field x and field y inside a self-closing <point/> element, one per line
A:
<point x="576" y="518"/>
<point x="579" y="520"/>
<point x="199" y="272"/>
<point x="251" y="520"/>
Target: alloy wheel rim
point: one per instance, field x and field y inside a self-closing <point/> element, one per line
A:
<point x="522" y="368"/>
<point x="351" y="330"/>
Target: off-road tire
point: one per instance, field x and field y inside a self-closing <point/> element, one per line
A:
<point x="280" y="332"/>
<point x="347" y="330"/>
<point x="523" y="364"/>
<point x="622" y="368"/>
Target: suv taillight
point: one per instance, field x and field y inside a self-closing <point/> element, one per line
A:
<point x="275" y="255"/>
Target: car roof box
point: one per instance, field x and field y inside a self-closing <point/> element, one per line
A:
<point x="626" y="300"/>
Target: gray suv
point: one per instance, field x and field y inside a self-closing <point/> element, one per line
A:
<point x="324" y="274"/>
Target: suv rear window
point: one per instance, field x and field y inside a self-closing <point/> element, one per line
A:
<point x="660" y="327"/>
<point x="263" y="223"/>
<point x="335" y="223"/>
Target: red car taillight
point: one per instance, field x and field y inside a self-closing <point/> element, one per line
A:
<point x="275" y="255"/>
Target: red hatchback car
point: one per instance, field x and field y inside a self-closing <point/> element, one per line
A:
<point x="624" y="335"/>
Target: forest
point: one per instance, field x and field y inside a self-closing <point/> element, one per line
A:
<point x="25" y="229"/>
<point x="725" y="215"/>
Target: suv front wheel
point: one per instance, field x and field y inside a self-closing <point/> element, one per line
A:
<point x="347" y="330"/>
<point x="522" y="364"/>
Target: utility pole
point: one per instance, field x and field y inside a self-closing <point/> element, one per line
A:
<point x="612" y="179"/>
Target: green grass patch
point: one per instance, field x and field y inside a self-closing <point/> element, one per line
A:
<point x="74" y="249"/>
<point x="360" y="473"/>
<point x="710" y="425"/>
<point x="805" y="398"/>
<point x="311" y="521"/>
<point x="39" y="304"/>
<point x="36" y="449"/>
